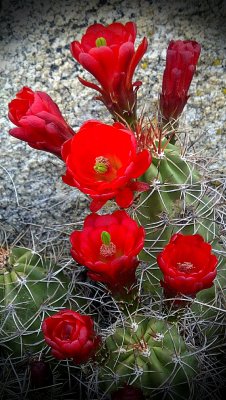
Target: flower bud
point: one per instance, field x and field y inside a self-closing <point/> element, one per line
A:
<point x="40" y="373"/>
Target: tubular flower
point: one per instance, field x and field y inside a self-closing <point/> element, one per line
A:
<point x="108" y="53"/>
<point x="181" y="60"/>
<point x="128" y="392"/>
<point x="70" y="335"/>
<point x="102" y="161"/>
<point x="39" y="121"/>
<point x="108" y="246"/>
<point x="187" y="265"/>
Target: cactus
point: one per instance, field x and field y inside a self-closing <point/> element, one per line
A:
<point x="182" y="200"/>
<point x="178" y="202"/>
<point x="160" y="350"/>
<point x="148" y="353"/>
<point x="30" y="290"/>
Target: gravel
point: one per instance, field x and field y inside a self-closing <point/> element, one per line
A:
<point x="34" y="51"/>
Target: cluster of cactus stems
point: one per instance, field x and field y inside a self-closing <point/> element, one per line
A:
<point x="119" y="328"/>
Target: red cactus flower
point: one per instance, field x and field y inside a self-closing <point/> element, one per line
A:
<point x="108" y="53"/>
<point x="71" y="335"/>
<point x="181" y="59"/>
<point x="102" y="161"/>
<point x="187" y="265"/>
<point x="39" y="121"/>
<point x="108" y="246"/>
<point x="128" y="392"/>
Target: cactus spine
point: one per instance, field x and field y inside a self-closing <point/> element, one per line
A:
<point x="178" y="201"/>
<point x="30" y="290"/>
<point x="148" y="353"/>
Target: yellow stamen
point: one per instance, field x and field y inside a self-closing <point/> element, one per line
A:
<point x="101" y="165"/>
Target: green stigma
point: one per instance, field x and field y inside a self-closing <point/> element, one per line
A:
<point x="100" y="42"/>
<point x="107" y="249"/>
<point x="106" y="238"/>
<point x="100" y="168"/>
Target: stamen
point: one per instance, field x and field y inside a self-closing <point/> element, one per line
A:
<point x="101" y="41"/>
<point x="185" y="266"/>
<point x="107" y="248"/>
<point x="102" y="165"/>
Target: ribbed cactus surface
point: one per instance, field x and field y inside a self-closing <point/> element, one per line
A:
<point x="148" y="353"/>
<point x="178" y="201"/>
<point x="30" y="290"/>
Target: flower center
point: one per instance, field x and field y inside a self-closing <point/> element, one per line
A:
<point x="101" y="41"/>
<point x="107" y="249"/>
<point x="102" y="165"/>
<point x="185" y="266"/>
<point x="66" y="332"/>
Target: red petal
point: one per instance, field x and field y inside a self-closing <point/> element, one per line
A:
<point x="105" y="57"/>
<point x="65" y="150"/>
<point x="139" y="186"/>
<point x="124" y="198"/>
<point x="90" y="85"/>
<point x="125" y="55"/>
<point x="20" y="133"/>
<point x="96" y="204"/>
<point x="132" y="29"/>
<point x="72" y="348"/>
<point x="43" y="102"/>
<point x="135" y="61"/>
<point x="94" y="67"/>
<point x="32" y="121"/>
<point x="58" y="355"/>
<point x="75" y="49"/>
<point x="141" y="163"/>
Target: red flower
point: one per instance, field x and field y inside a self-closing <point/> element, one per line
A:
<point x="181" y="59"/>
<point x="70" y="335"/>
<point x="102" y="161"/>
<point x="39" y="121"/>
<point x="108" y="54"/>
<point x="187" y="265"/>
<point x="108" y="246"/>
<point x="128" y="392"/>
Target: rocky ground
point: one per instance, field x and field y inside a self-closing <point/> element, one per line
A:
<point x="34" y="51"/>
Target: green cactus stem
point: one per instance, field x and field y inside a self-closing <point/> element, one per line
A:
<point x="30" y="290"/>
<point x="177" y="202"/>
<point x="150" y="354"/>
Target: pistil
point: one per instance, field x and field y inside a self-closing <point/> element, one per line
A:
<point x="101" y="41"/>
<point x="102" y="165"/>
<point x="107" y="248"/>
